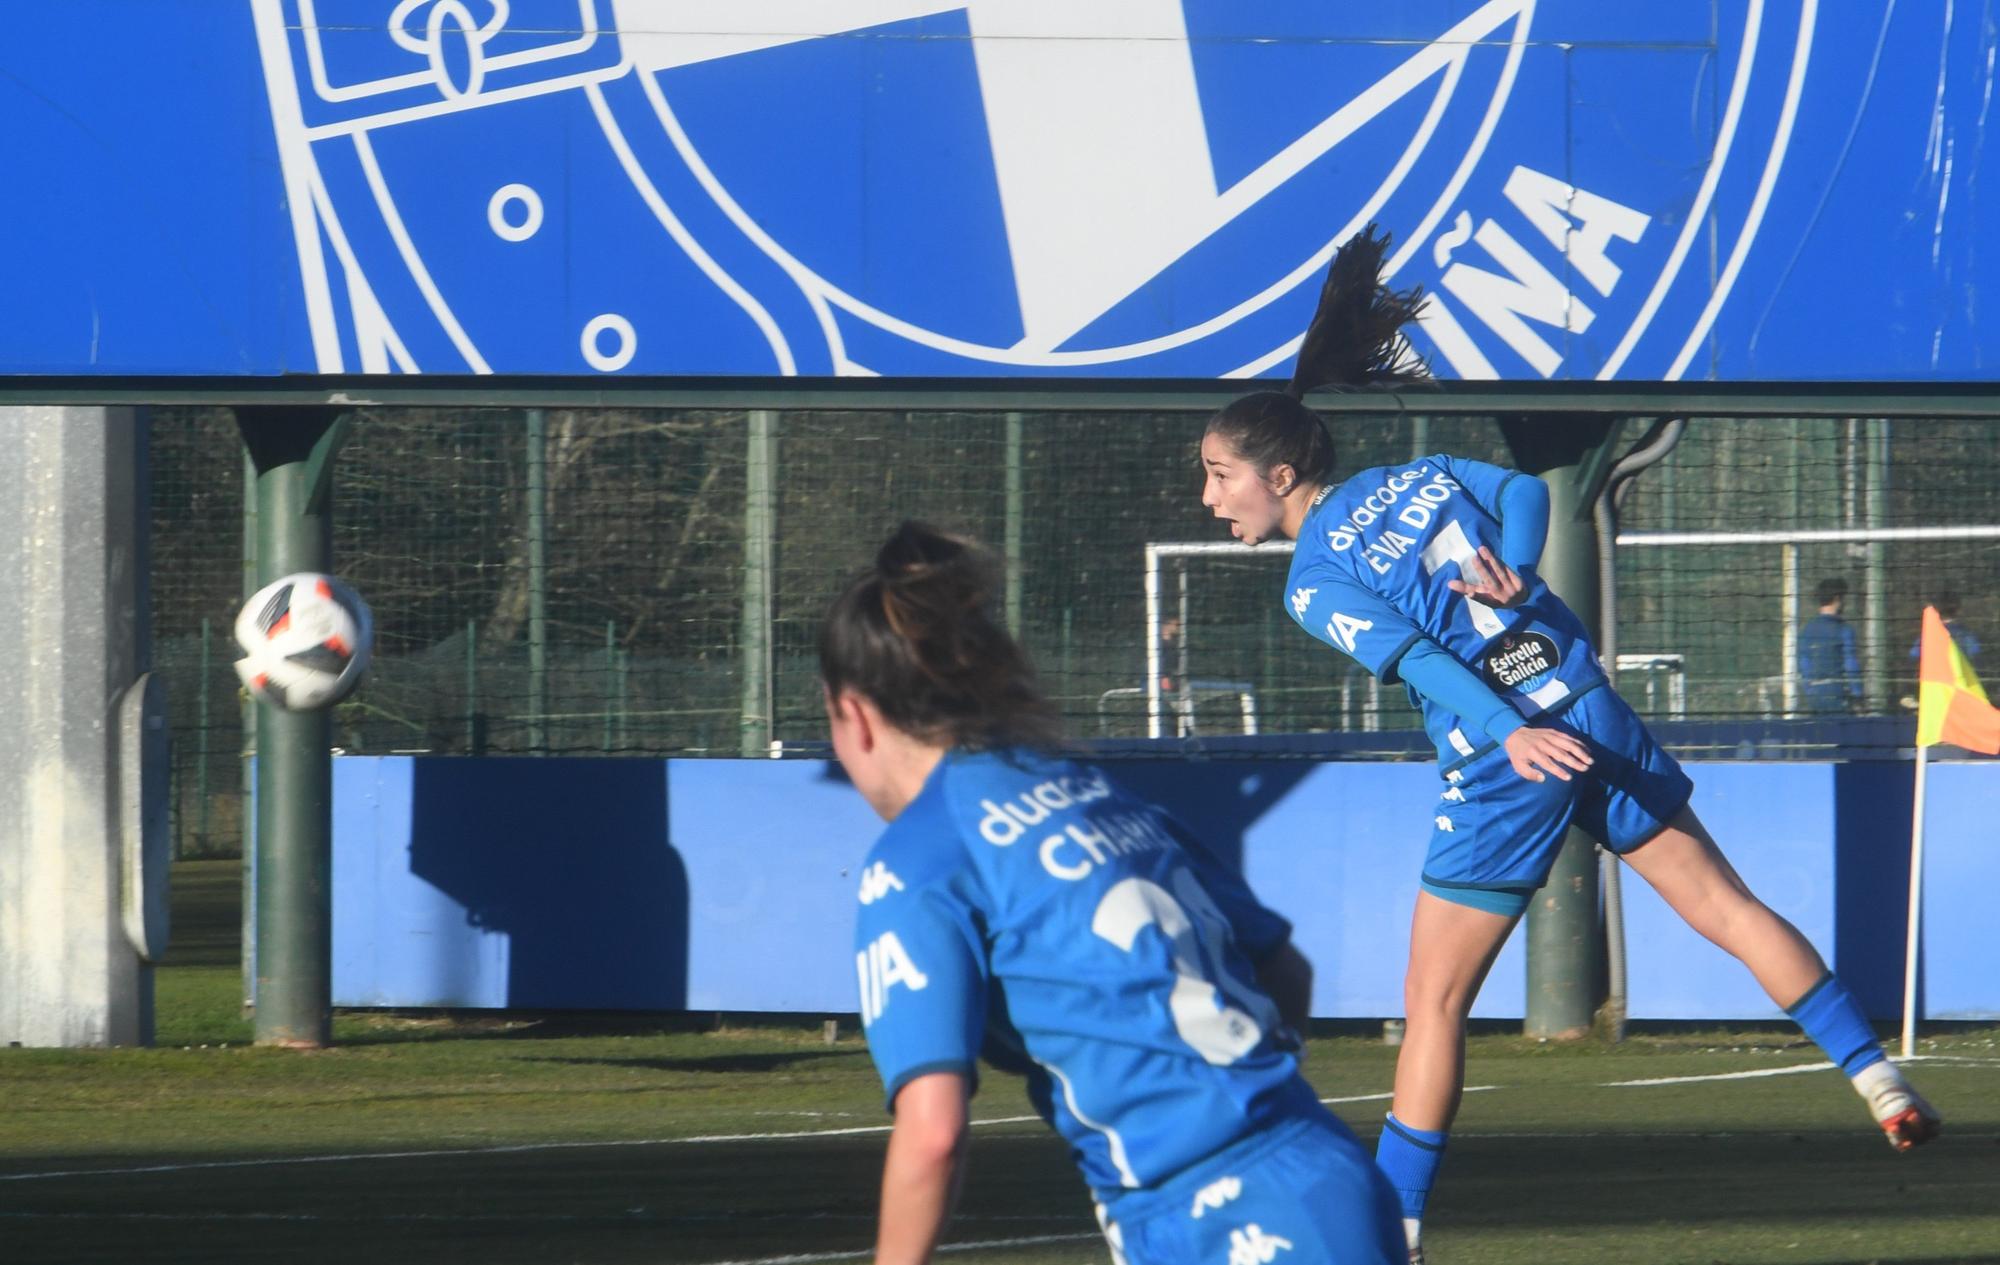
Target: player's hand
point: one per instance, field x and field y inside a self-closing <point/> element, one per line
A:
<point x="1490" y="580"/>
<point x="1537" y="753"/>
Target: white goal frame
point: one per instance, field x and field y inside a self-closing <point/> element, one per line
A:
<point x="1790" y="594"/>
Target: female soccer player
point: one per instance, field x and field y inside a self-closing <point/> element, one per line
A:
<point x="1020" y="905"/>
<point x="1425" y="573"/>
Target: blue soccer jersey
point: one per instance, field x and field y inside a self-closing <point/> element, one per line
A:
<point x="1370" y="578"/>
<point x="1024" y="907"/>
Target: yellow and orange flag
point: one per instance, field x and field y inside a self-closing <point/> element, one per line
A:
<point x="1950" y="705"/>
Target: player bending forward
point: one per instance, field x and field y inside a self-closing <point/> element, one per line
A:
<point x="1021" y="906"/>
<point x="1425" y="573"/>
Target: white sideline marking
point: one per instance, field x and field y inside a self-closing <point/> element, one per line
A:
<point x="1793" y="1070"/>
<point x="1469" y="1089"/>
<point x="809" y="1258"/>
<point x="854" y="1130"/>
<point x="449" y="1153"/>
<point x="1959" y="1060"/>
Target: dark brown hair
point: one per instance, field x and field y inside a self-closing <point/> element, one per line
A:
<point x="915" y="635"/>
<point x="1355" y="340"/>
<point x="1269" y="429"/>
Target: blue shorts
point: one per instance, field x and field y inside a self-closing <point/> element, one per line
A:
<point x="1303" y="1190"/>
<point x="1497" y="834"/>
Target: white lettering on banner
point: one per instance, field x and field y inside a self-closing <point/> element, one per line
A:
<point x="1526" y="289"/>
<point x="1551" y="204"/>
<point x="1251" y="1246"/>
<point x="881" y="966"/>
<point x="1215" y="1195"/>
<point x="878" y="881"/>
<point x="1342" y="628"/>
<point x="1578" y="224"/>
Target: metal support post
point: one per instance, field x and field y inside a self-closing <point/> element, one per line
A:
<point x="538" y="581"/>
<point x="1878" y="649"/>
<point x="760" y="514"/>
<point x="1574" y="457"/>
<point x="293" y="450"/>
<point x="1013" y="527"/>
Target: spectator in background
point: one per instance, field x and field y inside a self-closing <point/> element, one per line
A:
<point x="1829" y="672"/>
<point x="1964" y="638"/>
<point x="1170" y="654"/>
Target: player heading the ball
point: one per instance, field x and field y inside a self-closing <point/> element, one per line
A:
<point x="1424" y="573"/>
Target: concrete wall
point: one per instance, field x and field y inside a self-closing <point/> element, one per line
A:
<point x="71" y="617"/>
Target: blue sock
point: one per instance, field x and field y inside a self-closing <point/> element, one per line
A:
<point x="1833" y="1019"/>
<point x="1409" y="1158"/>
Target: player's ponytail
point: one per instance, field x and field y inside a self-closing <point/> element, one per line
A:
<point x="1355" y="340"/>
<point x="915" y="634"/>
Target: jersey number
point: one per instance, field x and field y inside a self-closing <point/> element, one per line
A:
<point x="1450" y="545"/>
<point x="1222" y="1023"/>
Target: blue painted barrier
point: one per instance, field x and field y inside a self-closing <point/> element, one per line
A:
<point x="729" y="884"/>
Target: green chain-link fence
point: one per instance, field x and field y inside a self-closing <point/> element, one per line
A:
<point x="661" y="594"/>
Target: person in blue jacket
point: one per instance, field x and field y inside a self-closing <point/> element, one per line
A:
<point x="1425" y="573"/>
<point x="1021" y="906"/>
<point x="1829" y="670"/>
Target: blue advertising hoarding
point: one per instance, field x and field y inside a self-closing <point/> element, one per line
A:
<point x="628" y="884"/>
<point x="1733" y="190"/>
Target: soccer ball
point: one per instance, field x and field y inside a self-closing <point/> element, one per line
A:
<point x="306" y="641"/>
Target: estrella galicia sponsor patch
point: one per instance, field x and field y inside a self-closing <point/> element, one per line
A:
<point x="1520" y="659"/>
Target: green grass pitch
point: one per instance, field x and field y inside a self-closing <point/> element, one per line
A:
<point x="501" y="1141"/>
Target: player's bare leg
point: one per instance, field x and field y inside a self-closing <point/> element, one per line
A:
<point x="1452" y="947"/>
<point x="1690" y="873"/>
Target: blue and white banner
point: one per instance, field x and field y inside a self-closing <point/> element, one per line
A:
<point x="1732" y="190"/>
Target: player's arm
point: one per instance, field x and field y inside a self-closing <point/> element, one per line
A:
<point x="924" y="1169"/>
<point x="1519" y="502"/>
<point x="922" y="974"/>
<point x="1535" y="752"/>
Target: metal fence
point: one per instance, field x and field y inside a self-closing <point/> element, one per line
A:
<point x="648" y="582"/>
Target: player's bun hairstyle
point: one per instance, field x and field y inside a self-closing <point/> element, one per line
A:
<point x="915" y="634"/>
<point x="1355" y="340"/>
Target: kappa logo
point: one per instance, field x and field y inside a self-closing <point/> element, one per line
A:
<point x="1444" y="824"/>
<point x="1302" y="602"/>
<point x="1215" y="1195"/>
<point x="941" y="189"/>
<point x="878" y="881"/>
<point x="1453" y="795"/>
<point x="1251" y="1246"/>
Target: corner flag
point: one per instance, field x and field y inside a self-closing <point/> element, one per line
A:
<point x="1951" y="707"/>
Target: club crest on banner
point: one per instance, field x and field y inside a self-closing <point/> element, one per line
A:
<point x="1139" y="188"/>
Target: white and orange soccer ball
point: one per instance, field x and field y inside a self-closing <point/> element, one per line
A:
<point x="306" y="641"/>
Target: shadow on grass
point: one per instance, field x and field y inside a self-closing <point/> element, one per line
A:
<point x="718" y="1063"/>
